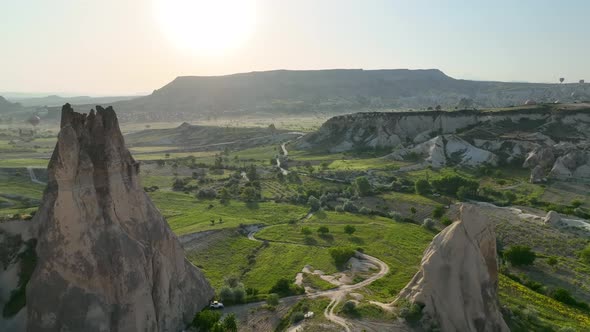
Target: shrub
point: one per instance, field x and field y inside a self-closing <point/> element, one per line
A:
<point x="576" y="203"/>
<point x="207" y="193"/>
<point x="446" y="221"/>
<point x="230" y="323"/>
<point x="552" y="261"/>
<point x="313" y="203"/>
<point x="283" y="287"/>
<point x="349" y="307"/>
<point x="349" y="206"/>
<point x="438" y="212"/>
<point x="297" y="316"/>
<point x="564" y="296"/>
<point x="339" y="208"/>
<point x="239" y="294"/>
<point x="323" y="230"/>
<point x="520" y="255"/>
<point x="422" y="187"/>
<point x="348" y="229"/>
<point x="396" y="216"/>
<point x="428" y="223"/>
<point x="226" y="294"/>
<point x="365" y="211"/>
<point x="272" y="299"/>
<point x="205" y="319"/>
<point x="411" y="312"/>
<point x="362" y="186"/>
<point x="306" y="231"/>
<point x="341" y="255"/>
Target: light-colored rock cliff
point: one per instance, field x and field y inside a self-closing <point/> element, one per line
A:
<point x="107" y="260"/>
<point x="457" y="283"/>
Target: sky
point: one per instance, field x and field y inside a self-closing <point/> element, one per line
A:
<point x="122" y="47"/>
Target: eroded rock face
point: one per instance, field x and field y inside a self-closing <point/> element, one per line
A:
<point x="107" y="260"/>
<point x="458" y="279"/>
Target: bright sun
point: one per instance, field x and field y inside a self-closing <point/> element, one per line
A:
<point x="206" y="26"/>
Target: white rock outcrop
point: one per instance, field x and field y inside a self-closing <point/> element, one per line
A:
<point x="441" y="151"/>
<point x="107" y="259"/>
<point x="457" y="284"/>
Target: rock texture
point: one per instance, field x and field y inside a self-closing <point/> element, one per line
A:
<point x="107" y="260"/>
<point x="457" y="282"/>
<point x="447" y="150"/>
<point x="552" y="218"/>
<point x="551" y="140"/>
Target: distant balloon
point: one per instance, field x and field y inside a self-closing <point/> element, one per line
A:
<point x="530" y="102"/>
<point x="34" y="120"/>
<point x="581" y="81"/>
<point x="561" y="79"/>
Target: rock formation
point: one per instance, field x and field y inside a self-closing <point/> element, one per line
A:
<point x="447" y="150"/>
<point x="537" y="175"/>
<point x="554" y="137"/>
<point x="552" y="218"/>
<point x="107" y="260"/>
<point x="457" y="283"/>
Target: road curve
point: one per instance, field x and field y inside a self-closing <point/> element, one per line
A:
<point x="339" y="293"/>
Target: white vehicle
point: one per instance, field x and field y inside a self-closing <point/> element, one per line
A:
<point x="216" y="305"/>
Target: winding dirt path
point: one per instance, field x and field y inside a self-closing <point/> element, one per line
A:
<point x="339" y="293"/>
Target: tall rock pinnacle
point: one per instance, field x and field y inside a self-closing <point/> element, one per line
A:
<point x="107" y="260"/>
<point x="457" y="283"/>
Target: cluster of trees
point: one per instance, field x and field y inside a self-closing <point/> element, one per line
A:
<point x="233" y="291"/>
<point x="283" y="287"/>
<point x="453" y="185"/>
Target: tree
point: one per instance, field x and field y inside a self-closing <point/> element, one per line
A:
<point x="250" y="194"/>
<point x="251" y="173"/>
<point x="313" y="203"/>
<point x="205" y="319"/>
<point x="323" y="230"/>
<point x="282" y="287"/>
<point x="428" y="223"/>
<point x="422" y="187"/>
<point x="272" y="299"/>
<point x="348" y="229"/>
<point x="438" y="212"/>
<point x="230" y="323"/>
<point x="413" y="211"/>
<point x="520" y="255"/>
<point x="341" y="255"/>
<point x="362" y="186"/>
<point x="306" y="231"/>
<point x="226" y="294"/>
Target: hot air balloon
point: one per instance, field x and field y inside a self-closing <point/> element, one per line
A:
<point x="561" y="79"/>
<point x="582" y="82"/>
<point x="34" y="120"/>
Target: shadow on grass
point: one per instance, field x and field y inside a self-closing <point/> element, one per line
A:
<point x="252" y="205"/>
<point x="356" y="239"/>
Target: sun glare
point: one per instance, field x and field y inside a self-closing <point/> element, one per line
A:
<point x="206" y="26"/>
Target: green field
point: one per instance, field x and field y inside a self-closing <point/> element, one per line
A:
<point x="187" y="214"/>
<point x="400" y="245"/>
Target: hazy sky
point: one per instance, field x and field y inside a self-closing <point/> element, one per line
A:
<point x="120" y="46"/>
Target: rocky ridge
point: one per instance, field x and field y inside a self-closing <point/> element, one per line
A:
<point x="552" y="140"/>
<point x="107" y="260"/>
